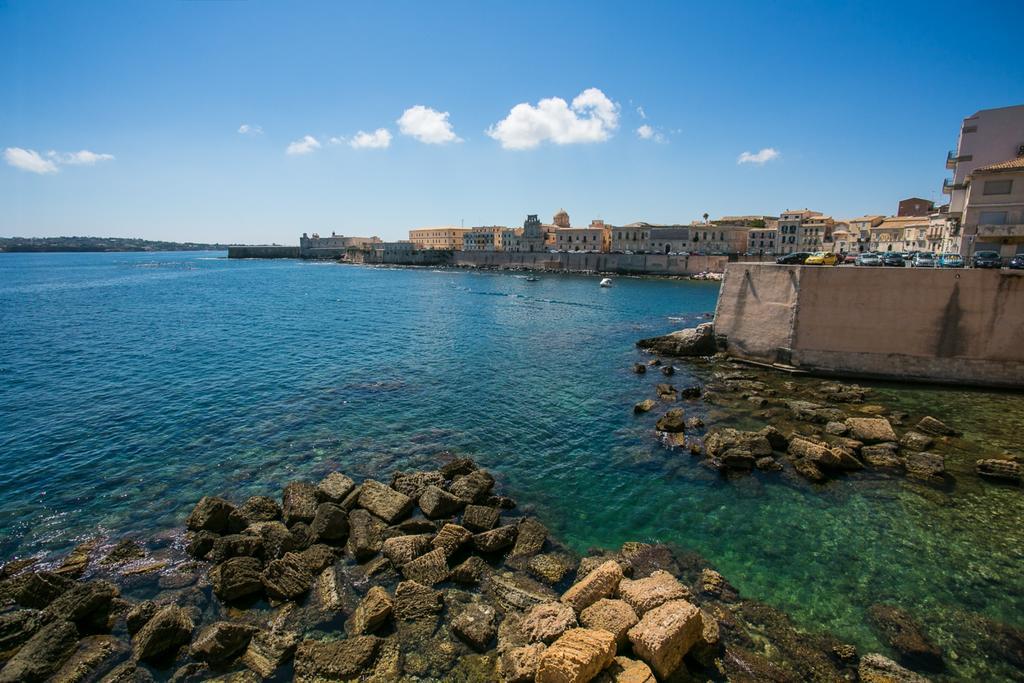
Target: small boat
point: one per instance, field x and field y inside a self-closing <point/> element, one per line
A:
<point x="606" y="282"/>
<point x="532" y="279"/>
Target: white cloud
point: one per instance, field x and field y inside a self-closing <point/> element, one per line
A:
<point x="28" y="160"/>
<point x="336" y="140"/>
<point x="81" y="158"/>
<point x="759" y="158"/>
<point x="646" y="132"/>
<point x="250" y="129"/>
<point x="307" y="144"/>
<point x="378" y="139"/>
<point x="640" y="110"/>
<point x="592" y="117"/>
<point x="427" y="125"/>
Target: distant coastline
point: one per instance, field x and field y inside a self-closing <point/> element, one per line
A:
<point x="99" y="244"/>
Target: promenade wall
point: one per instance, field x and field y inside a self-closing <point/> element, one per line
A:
<point x="638" y="264"/>
<point x="958" y="326"/>
<point x="263" y="252"/>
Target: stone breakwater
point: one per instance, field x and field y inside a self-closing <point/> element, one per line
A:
<point x="431" y="577"/>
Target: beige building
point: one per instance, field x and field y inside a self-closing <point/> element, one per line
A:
<point x="595" y="237"/>
<point x="670" y="239"/>
<point x="941" y="238"/>
<point x="791" y="236"/>
<point x="987" y="137"/>
<point x="762" y="240"/>
<point x="815" y="233"/>
<point x="484" y="238"/>
<point x="634" y="237"/>
<point x="843" y="239"/>
<point x="860" y="229"/>
<point x="900" y="233"/>
<point x="993" y="213"/>
<point x="313" y="246"/>
<point x="443" y="237"/>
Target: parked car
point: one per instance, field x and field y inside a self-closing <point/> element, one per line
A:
<point x="892" y="258"/>
<point x="821" y="258"/>
<point x="986" y="259"/>
<point x="1017" y="262"/>
<point x="868" y="259"/>
<point x="908" y="256"/>
<point x="951" y="261"/>
<point x="797" y="257"/>
<point x="923" y="260"/>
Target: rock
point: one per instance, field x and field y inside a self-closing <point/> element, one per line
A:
<point x="277" y="539"/>
<point x="768" y="464"/>
<point x="450" y="538"/>
<point x="330" y="523"/>
<point x="43" y="654"/>
<point x="235" y="545"/>
<point x="37" y="589"/>
<point x="170" y="628"/>
<point x="476" y="624"/>
<point x="916" y="441"/>
<point x="639" y="368"/>
<point x="875" y="668"/>
<point x="713" y="583"/>
<point x="299" y="502"/>
<point x="415" y="601"/>
<point x="125" y="551"/>
<point x="413" y="484"/>
<point x="16" y="628"/>
<point x="473" y="487"/>
<point x="591" y="562"/>
<point x="665" y="634"/>
<point x="929" y="425"/>
<point x="495" y="540"/>
<point x="530" y="538"/>
<point x="550" y="568"/>
<point x="334" y="488"/>
<point x="775" y="438"/>
<point x="373" y="612"/>
<point x="317" y="660"/>
<point x="668" y="370"/>
<point x="708" y="648"/>
<point x="720" y="441"/>
<point x="1000" y="470"/>
<point x="845" y="459"/>
<point x="644" y="406"/>
<point x="881" y="455"/>
<point x="427" y="569"/>
<point x="480" y="517"/>
<point x="904" y="635"/>
<point x="806" y="411"/>
<point x="643" y="595"/>
<point x="457" y="468"/>
<point x="93" y="654"/>
<point x="287" y="578"/>
<point x="302" y="535"/>
<point x="693" y="423"/>
<point x="317" y="557"/>
<point x="672" y="421"/>
<point x="333" y="591"/>
<point x="614" y="616"/>
<point x="602" y="582"/>
<point x="925" y="466"/>
<point x="402" y="549"/>
<point x="128" y="672"/>
<point x="626" y="670"/>
<point x="139" y="614"/>
<point x="808" y="470"/>
<point x="436" y="503"/>
<point x="86" y="604"/>
<point x="666" y="392"/>
<point x="547" y="621"/>
<point x="519" y="664"/>
<point x="578" y="656"/>
<point x="870" y="429"/>
<point x="365" y="535"/>
<point x="237" y="578"/>
<point x="259" y="509"/>
<point x="837" y="428"/>
<point x="384" y="502"/>
<point x="221" y="641"/>
<point x="211" y="513"/>
<point x="268" y="650"/>
<point x="696" y="341"/>
<point x="470" y="572"/>
<point x="517" y="592"/>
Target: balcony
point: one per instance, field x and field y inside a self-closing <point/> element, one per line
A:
<point x="1000" y="231"/>
<point x="948" y="186"/>
<point x="952" y="159"/>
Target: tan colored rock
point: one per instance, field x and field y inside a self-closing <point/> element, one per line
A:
<point x="519" y="664"/>
<point x="626" y="670"/>
<point x="871" y="429"/>
<point x="578" y="656"/>
<point x="643" y="595"/>
<point x="402" y="549"/>
<point x="427" y="569"/>
<point x="451" y="537"/>
<point x="614" y="616"/>
<point x="665" y="634"/>
<point x="600" y="583"/>
<point x="546" y="622"/>
<point x="383" y="501"/>
<point x="373" y="612"/>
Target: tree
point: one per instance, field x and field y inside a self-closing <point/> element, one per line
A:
<point x="705" y="217"/>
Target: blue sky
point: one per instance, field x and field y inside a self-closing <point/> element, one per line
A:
<point x="859" y="102"/>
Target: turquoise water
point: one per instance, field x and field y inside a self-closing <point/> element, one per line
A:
<point x="131" y="384"/>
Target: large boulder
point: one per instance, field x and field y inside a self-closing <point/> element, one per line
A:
<point x="530" y="538"/>
<point x="211" y="513"/>
<point x="929" y="425"/>
<point x="259" y="509"/>
<point x="237" y="578"/>
<point x="645" y="594"/>
<point x="1000" y="470"/>
<point x="450" y="538"/>
<point x="372" y="613"/>
<point x="415" y="601"/>
<point x="268" y="650"/>
<point x="427" y="569"/>
<point x="235" y="545"/>
<point x="547" y="621"/>
<point x="287" y="578"/>
<point x="515" y="592"/>
<point x="43" y="654"/>
<point x="170" y="628"/>
<point x="665" y="634"/>
<point x="93" y="655"/>
<point x="519" y="664"/>
<point x="694" y="341"/>
<point x="413" y="484"/>
<point x="384" y="502"/>
<point x="87" y="604"/>
<point x="330" y="523"/>
<point x="221" y="641"/>
<point x="317" y="660"/>
<point x="626" y="670"/>
<point x="871" y="429"/>
<point x="436" y="503"/>
<point x="495" y="540"/>
<point x="480" y="517"/>
<point x="476" y="624"/>
<point x="402" y="549"/>
<point x="299" y="502"/>
<point x="36" y="589"/>
<point x="334" y="488"/>
<point x="473" y="487"/>
<point x="365" y="535"/>
<point x="672" y="421"/>
<point x="737" y="449"/>
<point x="614" y="616"/>
<point x="602" y="582"/>
<point x="578" y="656"/>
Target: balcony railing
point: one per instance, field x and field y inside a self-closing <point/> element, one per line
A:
<point x="1012" y="230"/>
<point x="948" y="186"/>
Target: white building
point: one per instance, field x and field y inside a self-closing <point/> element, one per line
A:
<point x="990" y="136"/>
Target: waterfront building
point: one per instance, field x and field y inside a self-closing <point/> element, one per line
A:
<point x="335" y="246"/>
<point x="531" y="238"/>
<point x="815" y="233"/>
<point x="443" y="237"/>
<point x="670" y="239"/>
<point x="860" y="229"/>
<point x="790" y="238"/>
<point x="940" y="233"/>
<point x="987" y="137"/>
<point x="762" y="240"/>
<point x="483" y="238"/>
<point x="915" y="206"/>
<point x="596" y="237"/>
<point x="899" y="233"/>
<point x="993" y="212"/>
<point x="633" y="237"/>
<point x="844" y="238"/>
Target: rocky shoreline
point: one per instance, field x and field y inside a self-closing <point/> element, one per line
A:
<point x="431" y="577"/>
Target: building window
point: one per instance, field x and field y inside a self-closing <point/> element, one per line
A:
<point x="998" y="186"/>
<point x="992" y="218"/>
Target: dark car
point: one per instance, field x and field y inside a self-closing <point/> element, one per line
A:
<point x="797" y="258"/>
<point x="1017" y="262"/>
<point x="892" y="258"/>
<point x="986" y="259"/>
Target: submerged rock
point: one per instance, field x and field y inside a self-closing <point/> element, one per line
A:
<point x="904" y="634"/>
<point x="317" y="660"/>
<point x="875" y="668"/>
<point x="929" y="425"/>
<point x="925" y="466"/>
<point x="1000" y="470"/>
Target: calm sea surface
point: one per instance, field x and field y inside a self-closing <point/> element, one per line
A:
<point x="132" y="384"/>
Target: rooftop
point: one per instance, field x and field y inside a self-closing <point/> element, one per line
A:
<point x="1010" y="165"/>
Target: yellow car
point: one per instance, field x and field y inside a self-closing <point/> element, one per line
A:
<point x="822" y="258"/>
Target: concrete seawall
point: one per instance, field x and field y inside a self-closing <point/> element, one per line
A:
<point x="943" y="325"/>
<point x="263" y="252"/>
<point x="639" y="264"/>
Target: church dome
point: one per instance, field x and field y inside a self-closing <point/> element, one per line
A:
<point x="561" y="219"/>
